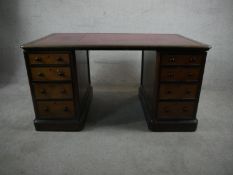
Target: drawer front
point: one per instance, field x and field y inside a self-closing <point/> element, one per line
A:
<point x="53" y="91"/>
<point x="50" y="58"/>
<point x="55" y="109"/>
<point x="176" y="110"/>
<point x="180" y="74"/>
<point x="50" y="73"/>
<point x="174" y="59"/>
<point x="178" y="91"/>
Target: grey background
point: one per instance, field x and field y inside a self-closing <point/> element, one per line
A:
<point x="116" y="140"/>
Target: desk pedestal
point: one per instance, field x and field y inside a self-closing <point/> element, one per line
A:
<point x="170" y="88"/>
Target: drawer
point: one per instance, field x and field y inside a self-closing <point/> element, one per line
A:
<point x="180" y="74"/>
<point x="55" y="109"/>
<point x="176" y="110"/>
<point x="178" y="91"/>
<point x="175" y="59"/>
<point x="53" y="91"/>
<point x="49" y="58"/>
<point x="50" y="73"/>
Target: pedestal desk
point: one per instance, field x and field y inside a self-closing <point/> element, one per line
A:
<point x="59" y="77"/>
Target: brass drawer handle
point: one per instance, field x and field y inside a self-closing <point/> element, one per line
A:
<point x="40" y="74"/>
<point x="170" y="75"/>
<point x="169" y="92"/>
<point x="190" y="74"/>
<point x="192" y="60"/>
<point x="38" y="59"/>
<point x="166" y="110"/>
<point x="63" y="91"/>
<point x="188" y="92"/>
<point x="185" y="109"/>
<point x="60" y="59"/>
<point x="43" y="91"/>
<point x="66" y="109"/>
<point x="46" y="109"/>
<point x="60" y="73"/>
<point x="172" y="60"/>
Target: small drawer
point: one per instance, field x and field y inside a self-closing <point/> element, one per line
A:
<point x="55" y="109"/>
<point x="178" y="91"/>
<point x="176" y="110"/>
<point x="180" y="74"/>
<point x="53" y="91"/>
<point x="50" y="73"/>
<point x="174" y="59"/>
<point x="49" y="58"/>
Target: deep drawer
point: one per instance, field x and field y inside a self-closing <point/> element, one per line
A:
<point x="55" y="109"/>
<point x="176" y="110"/>
<point x="53" y="91"/>
<point x="178" y="91"/>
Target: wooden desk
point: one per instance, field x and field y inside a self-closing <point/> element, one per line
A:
<point x="59" y="77"/>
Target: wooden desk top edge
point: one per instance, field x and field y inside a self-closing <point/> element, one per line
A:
<point x="114" y="41"/>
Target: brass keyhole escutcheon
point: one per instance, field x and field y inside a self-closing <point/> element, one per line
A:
<point x="172" y="60"/>
<point x="66" y="109"/>
<point x="46" y="109"/>
<point x="38" y="59"/>
<point x="63" y="91"/>
<point x="60" y="73"/>
<point x="188" y="92"/>
<point x="170" y="75"/>
<point x="192" y="60"/>
<point x="185" y="109"/>
<point x="59" y="59"/>
<point x="166" y="110"/>
<point x="43" y="91"/>
<point x="169" y="92"/>
<point x="40" y="74"/>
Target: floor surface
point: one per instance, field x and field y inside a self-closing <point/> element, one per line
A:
<point x="116" y="139"/>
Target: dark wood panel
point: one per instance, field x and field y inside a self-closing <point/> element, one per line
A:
<point x="82" y="72"/>
<point x="53" y="91"/>
<point x="114" y="40"/>
<point x="50" y="73"/>
<point x="148" y="78"/>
